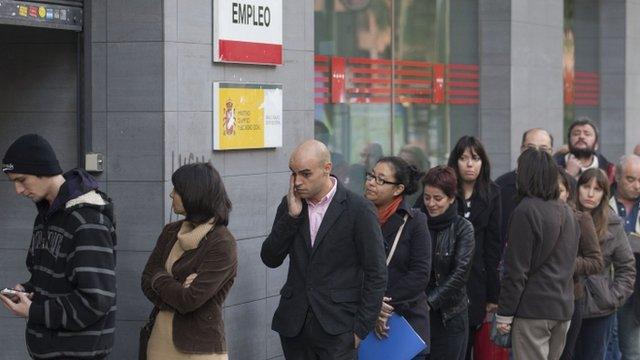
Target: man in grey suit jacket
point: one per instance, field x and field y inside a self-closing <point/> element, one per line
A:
<point x="337" y="272"/>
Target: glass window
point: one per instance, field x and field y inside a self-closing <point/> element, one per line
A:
<point x="581" y="61"/>
<point x="387" y="81"/>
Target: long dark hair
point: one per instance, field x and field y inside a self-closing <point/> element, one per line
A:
<point x="600" y="214"/>
<point x="203" y="194"/>
<point x="405" y="174"/>
<point x="537" y="175"/>
<point x="483" y="182"/>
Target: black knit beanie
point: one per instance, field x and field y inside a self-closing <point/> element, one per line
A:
<point x="31" y="154"/>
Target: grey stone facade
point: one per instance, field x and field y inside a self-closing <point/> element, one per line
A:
<point x="151" y="111"/>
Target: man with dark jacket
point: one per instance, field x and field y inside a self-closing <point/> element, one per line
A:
<point x="535" y="138"/>
<point x="583" y="137"/>
<point x="69" y="300"/>
<point x="337" y="272"/>
<point x="626" y="202"/>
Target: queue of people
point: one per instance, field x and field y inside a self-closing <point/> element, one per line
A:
<point x="547" y="254"/>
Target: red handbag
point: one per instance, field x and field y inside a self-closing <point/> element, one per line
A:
<point x="484" y="348"/>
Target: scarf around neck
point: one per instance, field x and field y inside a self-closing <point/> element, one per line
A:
<point x="386" y="211"/>
<point x="443" y="220"/>
<point x="190" y="235"/>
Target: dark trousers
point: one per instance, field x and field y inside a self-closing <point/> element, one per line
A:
<point x="313" y="343"/>
<point x="449" y="339"/>
<point x="471" y="340"/>
<point x="574" y="331"/>
<point x="593" y="338"/>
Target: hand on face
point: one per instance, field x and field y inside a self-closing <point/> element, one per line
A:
<point x="294" y="202"/>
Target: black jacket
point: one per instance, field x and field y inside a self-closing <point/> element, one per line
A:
<point x="539" y="261"/>
<point x="451" y="264"/>
<point x="72" y="265"/>
<point x="508" y="197"/>
<point x="410" y="267"/>
<point x="484" y="284"/>
<point x="342" y="277"/>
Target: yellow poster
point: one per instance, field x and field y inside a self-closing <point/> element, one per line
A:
<point x="240" y="114"/>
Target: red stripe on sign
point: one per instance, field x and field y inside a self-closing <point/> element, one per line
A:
<point x="250" y="52"/>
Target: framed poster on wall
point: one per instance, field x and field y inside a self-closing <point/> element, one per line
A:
<point x="247" y="31"/>
<point x="246" y="116"/>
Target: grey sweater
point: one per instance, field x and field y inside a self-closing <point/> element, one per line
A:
<point x="542" y="245"/>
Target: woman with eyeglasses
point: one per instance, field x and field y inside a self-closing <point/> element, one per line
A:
<point x="406" y="242"/>
<point x="479" y="202"/>
<point x="452" y="246"/>
<point x="609" y="289"/>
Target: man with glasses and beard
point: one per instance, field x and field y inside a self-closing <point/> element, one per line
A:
<point x="583" y="150"/>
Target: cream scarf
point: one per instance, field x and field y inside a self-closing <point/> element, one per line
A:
<point x="189" y="237"/>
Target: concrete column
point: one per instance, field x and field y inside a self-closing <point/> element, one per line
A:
<point x="536" y="68"/>
<point x="495" y="96"/>
<point x="632" y="68"/>
<point x="612" y="77"/>
<point x="521" y="44"/>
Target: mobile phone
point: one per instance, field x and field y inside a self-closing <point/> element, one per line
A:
<point x="7" y="291"/>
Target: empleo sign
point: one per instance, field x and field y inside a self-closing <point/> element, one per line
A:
<point x="247" y="31"/>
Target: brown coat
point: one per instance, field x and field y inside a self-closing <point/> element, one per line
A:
<point x="589" y="260"/>
<point x="198" y="327"/>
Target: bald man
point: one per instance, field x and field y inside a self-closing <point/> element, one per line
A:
<point x="337" y="272"/>
<point x="626" y="202"/>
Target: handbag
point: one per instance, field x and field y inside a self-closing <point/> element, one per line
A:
<point x="498" y="338"/>
<point x="483" y="346"/>
<point x="145" y="334"/>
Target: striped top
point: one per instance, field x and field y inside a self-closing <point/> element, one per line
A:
<point x="72" y="264"/>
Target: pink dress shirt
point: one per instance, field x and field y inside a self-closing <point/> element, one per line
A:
<point x="317" y="211"/>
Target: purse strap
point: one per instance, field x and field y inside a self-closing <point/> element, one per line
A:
<point x="395" y="241"/>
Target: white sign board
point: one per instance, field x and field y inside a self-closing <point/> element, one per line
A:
<point x="247" y="31"/>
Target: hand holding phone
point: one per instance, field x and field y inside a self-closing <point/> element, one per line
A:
<point x="11" y="292"/>
<point x="17" y="300"/>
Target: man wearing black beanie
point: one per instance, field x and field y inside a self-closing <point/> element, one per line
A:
<point x="69" y="300"/>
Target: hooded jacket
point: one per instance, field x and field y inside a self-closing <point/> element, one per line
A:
<point x="72" y="262"/>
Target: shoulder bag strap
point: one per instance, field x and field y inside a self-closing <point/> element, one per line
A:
<point x="395" y="241"/>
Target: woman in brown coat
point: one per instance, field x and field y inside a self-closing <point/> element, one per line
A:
<point x="191" y="270"/>
<point x="588" y="262"/>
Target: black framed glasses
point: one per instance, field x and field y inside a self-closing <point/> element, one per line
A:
<point x="378" y="180"/>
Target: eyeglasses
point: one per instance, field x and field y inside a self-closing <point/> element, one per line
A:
<point x="534" y="147"/>
<point x="379" y="181"/>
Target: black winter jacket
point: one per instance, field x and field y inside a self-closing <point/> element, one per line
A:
<point x="408" y="272"/>
<point x="483" y="285"/>
<point x="451" y="264"/>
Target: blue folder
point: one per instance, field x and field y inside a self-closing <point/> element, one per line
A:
<point x="403" y="343"/>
